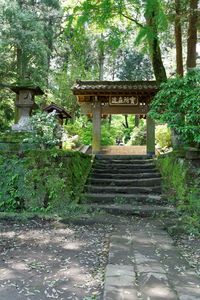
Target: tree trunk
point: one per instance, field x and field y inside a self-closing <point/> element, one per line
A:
<point x="178" y="39"/>
<point x="20" y="66"/>
<point x="101" y="60"/>
<point x="101" y="65"/>
<point x="49" y="42"/>
<point x="153" y="40"/>
<point x="192" y="35"/>
<point x="21" y="60"/>
<point x="137" y="120"/>
<point x="126" y="125"/>
<point x="110" y="120"/>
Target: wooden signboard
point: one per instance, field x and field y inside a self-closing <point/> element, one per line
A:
<point x="123" y="101"/>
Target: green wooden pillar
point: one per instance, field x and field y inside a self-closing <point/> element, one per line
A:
<point x="96" y="126"/>
<point x="150" y="136"/>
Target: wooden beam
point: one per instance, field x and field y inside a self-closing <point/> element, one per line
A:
<point x="86" y="108"/>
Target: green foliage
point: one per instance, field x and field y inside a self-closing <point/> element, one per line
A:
<point x="110" y="131"/>
<point x="6" y="109"/>
<point x="138" y="136"/>
<point x="42" y="179"/>
<point x="120" y="19"/>
<point x="134" y="66"/>
<point x="45" y="130"/>
<point x="174" y="176"/>
<point x="81" y="127"/>
<point x="182" y="189"/>
<point x="26" y="38"/>
<point x="178" y="105"/>
<point x="163" y="136"/>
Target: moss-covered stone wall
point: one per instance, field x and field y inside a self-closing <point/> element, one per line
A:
<point x="181" y="184"/>
<point x="36" y="178"/>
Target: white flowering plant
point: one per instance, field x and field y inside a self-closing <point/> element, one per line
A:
<point x="45" y="130"/>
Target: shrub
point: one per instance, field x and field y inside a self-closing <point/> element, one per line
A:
<point x="182" y="188"/>
<point x="45" y="130"/>
<point x="163" y="136"/>
<point x="138" y="136"/>
<point x="178" y="105"/>
<point x="81" y="127"/>
<point x="51" y="178"/>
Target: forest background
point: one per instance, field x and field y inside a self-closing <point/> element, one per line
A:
<point x="53" y="43"/>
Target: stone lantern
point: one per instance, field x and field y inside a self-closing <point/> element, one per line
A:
<point x="25" y="102"/>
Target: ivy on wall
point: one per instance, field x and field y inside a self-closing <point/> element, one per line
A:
<point x="42" y="179"/>
<point x="181" y="185"/>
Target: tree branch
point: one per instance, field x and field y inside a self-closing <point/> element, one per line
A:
<point x="131" y="19"/>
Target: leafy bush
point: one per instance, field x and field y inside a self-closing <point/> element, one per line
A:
<point x="51" y="178"/>
<point x="83" y="127"/>
<point x="45" y="130"/>
<point x="182" y="188"/>
<point x="178" y="105"/>
<point x="174" y="177"/>
<point x="163" y="136"/>
<point x="138" y="136"/>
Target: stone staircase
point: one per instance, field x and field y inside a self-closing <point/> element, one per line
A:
<point x="125" y="184"/>
<point x="143" y="262"/>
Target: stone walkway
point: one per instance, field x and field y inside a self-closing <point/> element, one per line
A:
<point x="124" y="150"/>
<point x="144" y="264"/>
<point x="46" y="260"/>
<point x="128" y="244"/>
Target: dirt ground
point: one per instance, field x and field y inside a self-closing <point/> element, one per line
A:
<point x="48" y="260"/>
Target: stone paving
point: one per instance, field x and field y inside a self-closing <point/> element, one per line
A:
<point x="144" y="264"/>
<point x="124" y="150"/>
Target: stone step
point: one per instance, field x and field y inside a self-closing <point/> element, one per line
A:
<point x="124" y="157"/>
<point x="123" y="198"/>
<point x="125" y="161"/>
<point x="131" y="210"/>
<point x="124" y="176"/>
<point x="123" y="171"/>
<point x="123" y="166"/>
<point x="146" y="182"/>
<point x="122" y="189"/>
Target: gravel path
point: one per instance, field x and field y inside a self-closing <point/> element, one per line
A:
<point x="46" y="260"/>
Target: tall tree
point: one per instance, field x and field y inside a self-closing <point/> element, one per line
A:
<point x="178" y="38"/>
<point x="28" y="32"/>
<point x="132" y="65"/>
<point x="123" y="17"/>
<point x="192" y="34"/>
<point x="153" y="13"/>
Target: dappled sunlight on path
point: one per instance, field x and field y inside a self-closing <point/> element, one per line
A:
<point x="40" y="260"/>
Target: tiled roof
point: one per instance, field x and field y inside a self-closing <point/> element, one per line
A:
<point x="109" y="86"/>
<point x="59" y="109"/>
<point x="37" y="90"/>
<point x="18" y="87"/>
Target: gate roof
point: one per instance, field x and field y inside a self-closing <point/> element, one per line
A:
<point x="134" y="88"/>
